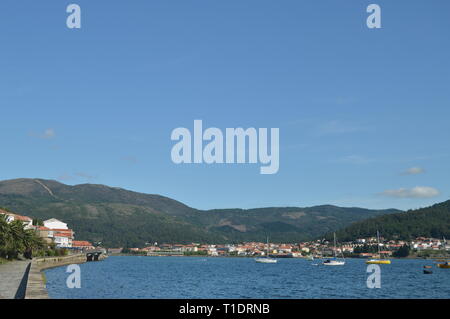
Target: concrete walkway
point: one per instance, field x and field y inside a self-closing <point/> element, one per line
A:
<point x="13" y="279"/>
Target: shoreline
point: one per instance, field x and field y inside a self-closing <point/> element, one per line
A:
<point x="252" y="257"/>
<point x="36" y="281"/>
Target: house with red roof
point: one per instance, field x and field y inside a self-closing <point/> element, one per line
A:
<point x="10" y="217"/>
<point x="82" y="245"/>
<point x="63" y="240"/>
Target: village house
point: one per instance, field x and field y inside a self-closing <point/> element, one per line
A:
<point x="45" y="233"/>
<point x="10" y="217"/>
<point x="115" y="250"/>
<point x="151" y="248"/>
<point x="62" y="240"/>
<point x="54" y="223"/>
<point x="82" y="245"/>
<point x="57" y="230"/>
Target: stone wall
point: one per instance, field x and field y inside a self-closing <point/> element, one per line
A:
<point x="36" y="288"/>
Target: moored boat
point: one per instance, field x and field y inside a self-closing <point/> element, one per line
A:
<point x="445" y="265"/>
<point x="378" y="261"/>
<point x="335" y="261"/>
<point x="266" y="259"/>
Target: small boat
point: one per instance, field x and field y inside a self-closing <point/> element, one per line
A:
<point x="427" y="270"/>
<point x="378" y="261"/>
<point x="310" y="257"/>
<point x="334" y="262"/>
<point x="445" y="265"/>
<point x="267" y="259"/>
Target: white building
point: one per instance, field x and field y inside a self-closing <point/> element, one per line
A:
<point x="10" y="217"/>
<point x="54" y="223"/>
<point x="62" y="240"/>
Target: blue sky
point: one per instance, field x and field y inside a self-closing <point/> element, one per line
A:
<point x="356" y="107"/>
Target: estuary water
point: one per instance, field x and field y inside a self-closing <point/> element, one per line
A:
<point x="197" y="277"/>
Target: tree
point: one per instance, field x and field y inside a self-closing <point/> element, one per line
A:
<point x="5" y="237"/>
<point x="15" y="240"/>
<point x="402" y="251"/>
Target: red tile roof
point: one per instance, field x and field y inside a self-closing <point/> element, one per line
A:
<point x="16" y="216"/>
<point x="81" y="243"/>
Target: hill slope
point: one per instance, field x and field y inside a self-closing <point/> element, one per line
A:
<point x="119" y="217"/>
<point x="433" y="221"/>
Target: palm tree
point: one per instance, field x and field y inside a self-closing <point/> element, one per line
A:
<point x="15" y="240"/>
<point x="17" y="234"/>
<point x="5" y="238"/>
<point x="31" y="243"/>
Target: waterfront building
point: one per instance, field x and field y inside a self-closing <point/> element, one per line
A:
<point x="54" y="223"/>
<point x="82" y="245"/>
<point x="10" y="217"/>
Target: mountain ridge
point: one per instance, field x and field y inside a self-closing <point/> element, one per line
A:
<point x="120" y="217"/>
<point x="432" y="221"/>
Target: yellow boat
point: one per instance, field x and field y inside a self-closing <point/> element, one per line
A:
<point x="379" y="261"/>
<point x="444" y="265"/>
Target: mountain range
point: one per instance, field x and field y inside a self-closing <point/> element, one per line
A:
<point x="121" y="218"/>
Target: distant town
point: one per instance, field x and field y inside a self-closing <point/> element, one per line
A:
<point x="360" y="248"/>
<point x="57" y="232"/>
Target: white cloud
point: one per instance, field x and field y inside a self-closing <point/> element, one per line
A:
<point x="49" y="133"/>
<point x="415" y="192"/>
<point x="414" y="171"/>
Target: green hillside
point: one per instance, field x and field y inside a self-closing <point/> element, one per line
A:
<point x="118" y="217"/>
<point x="433" y="221"/>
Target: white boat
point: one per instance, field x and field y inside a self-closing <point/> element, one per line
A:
<point x="266" y="259"/>
<point x="332" y="262"/>
<point x="335" y="261"/>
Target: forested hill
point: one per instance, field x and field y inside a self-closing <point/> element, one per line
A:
<point x="433" y="221"/>
<point x="118" y="217"/>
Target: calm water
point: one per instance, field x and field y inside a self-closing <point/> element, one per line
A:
<point x="196" y="277"/>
